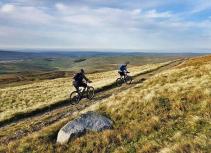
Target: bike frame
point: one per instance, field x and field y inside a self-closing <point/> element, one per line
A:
<point x="83" y="90"/>
<point x="82" y="93"/>
<point x="125" y="76"/>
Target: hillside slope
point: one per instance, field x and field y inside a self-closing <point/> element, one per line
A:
<point x="26" y="98"/>
<point x="170" y="112"/>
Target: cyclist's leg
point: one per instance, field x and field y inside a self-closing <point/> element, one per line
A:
<point x="121" y="74"/>
<point x="80" y="84"/>
<point x="125" y="75"/>
<point x="76" y="85"/>
<point x="84" y="85"/>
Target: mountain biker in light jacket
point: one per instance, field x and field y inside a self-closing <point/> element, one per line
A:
<point x="123" y="70"/>
<point x="79" y="80"/>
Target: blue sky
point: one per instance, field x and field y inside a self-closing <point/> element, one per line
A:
<point x="181" y="25"/>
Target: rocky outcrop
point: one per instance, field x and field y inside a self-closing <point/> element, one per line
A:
<point x="90" y="121"/>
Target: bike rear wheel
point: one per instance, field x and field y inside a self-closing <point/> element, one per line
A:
<point x="128" y="80"/>
<point x="75" y="97"/>
<point x="119" y="82"/>
<point x="90" y="93"/>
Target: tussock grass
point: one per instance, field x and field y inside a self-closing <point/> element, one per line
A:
<point x="196" y="61"/>
<point x="27" y="98"/>
<point x="171" y="112"/>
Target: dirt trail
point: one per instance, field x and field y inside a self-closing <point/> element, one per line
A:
<point x="29" y="124"/>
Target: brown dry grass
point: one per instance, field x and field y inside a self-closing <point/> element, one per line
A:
<point x="171" y="112"/>
<point x="196" y="61"/>
<point x="29" y="97"/>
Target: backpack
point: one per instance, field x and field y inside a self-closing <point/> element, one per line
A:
<point x="122" y="68"/>
<point x="78" y="77"/>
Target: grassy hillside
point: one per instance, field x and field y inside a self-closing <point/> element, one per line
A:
<point x="29" y="97"/>
<point x="91" y="64"/>
<point x="18" y="72"/>
<point x="171" y="112"/>
<point x="35" y="65"/>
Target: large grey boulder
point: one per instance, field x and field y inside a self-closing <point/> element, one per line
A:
<point x="89" y="121"/>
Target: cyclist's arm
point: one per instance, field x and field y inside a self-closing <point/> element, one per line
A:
<point x="85" y="78"/>
<point x="125" y="70"/>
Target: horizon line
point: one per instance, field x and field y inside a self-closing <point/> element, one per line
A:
<point x="202" y="50"/>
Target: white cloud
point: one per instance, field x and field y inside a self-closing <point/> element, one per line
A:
<point x="155" y="14"/>
<point x="201" y="5"/>
<point x="77" y="25"/>
<point x="136" y="11"/>
<point x="24" y="15"/>
<point x="61" y="7"/>
<point x="86" y="20"/>
<point x="7" y="8"/>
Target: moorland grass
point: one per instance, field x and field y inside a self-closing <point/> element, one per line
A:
<point x="168" y="113"/>
<point x="23" y="99"/>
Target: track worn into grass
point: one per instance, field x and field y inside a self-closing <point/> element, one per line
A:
<point x="35" y="121"/>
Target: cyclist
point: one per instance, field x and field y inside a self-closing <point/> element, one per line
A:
<point x="123" y="70"/>
<point x="78" y="80"/>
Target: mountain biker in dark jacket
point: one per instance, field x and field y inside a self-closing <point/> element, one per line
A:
<point x="123" y="70"/>
<point x="78" y="80"/>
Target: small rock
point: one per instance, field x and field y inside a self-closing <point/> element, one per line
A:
<point x="90" y="121"/>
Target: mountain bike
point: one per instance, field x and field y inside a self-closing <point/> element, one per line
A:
<point x="127" y="79"/>
<point x="87" y="92"/>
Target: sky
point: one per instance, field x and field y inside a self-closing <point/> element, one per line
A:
<point x="180" y="25"/>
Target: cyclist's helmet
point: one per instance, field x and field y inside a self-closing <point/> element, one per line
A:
<point x="82" y="71"/>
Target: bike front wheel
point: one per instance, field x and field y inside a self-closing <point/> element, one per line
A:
<point x="90" y="93"/>
<point x="74" y="97"/>
<point x="119" y="82"/>
<point x="128" y="80"/>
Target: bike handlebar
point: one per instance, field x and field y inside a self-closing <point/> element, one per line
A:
<point x="85" y="81"/>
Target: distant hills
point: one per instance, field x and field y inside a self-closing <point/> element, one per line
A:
<point x="18" y="55"/>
